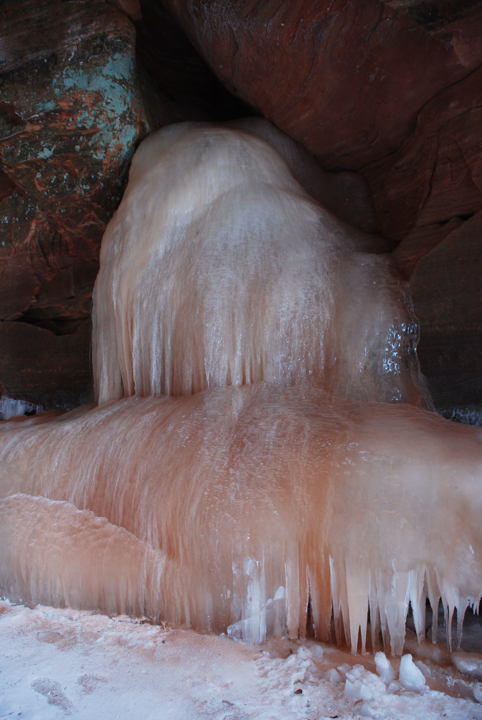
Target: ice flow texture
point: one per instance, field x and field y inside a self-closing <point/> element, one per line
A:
<point x="219" y="269"/>
<point x="237" y="506"/>
<point x="243" y="506"/>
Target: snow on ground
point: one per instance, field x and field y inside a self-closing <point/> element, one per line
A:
<point x="60" y="662"/>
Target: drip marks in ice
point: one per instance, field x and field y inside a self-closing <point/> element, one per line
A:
<point x="260" y="461"/>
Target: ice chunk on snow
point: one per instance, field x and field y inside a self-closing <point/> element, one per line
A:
<point x="410" y="676"/>
<point x="384" y="667"/>
<point x="362" y="685"/>
<point x="333" y="676"/>
<point x="316" y="651"/>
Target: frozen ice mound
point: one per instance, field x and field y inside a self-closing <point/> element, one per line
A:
<point x="249" y="490"/>
<point x="219" y="269"/>
<point x="259" y="459"/>
<point x="384" y="667"/>
<point x="361" y="684"/>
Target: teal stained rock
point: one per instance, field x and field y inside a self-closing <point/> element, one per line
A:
<point x="71" y="115"/>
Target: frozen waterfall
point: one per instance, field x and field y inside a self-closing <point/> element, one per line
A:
<point x="261" y="458"/>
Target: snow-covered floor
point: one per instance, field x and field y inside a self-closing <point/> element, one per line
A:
<point x="66" y="662"/>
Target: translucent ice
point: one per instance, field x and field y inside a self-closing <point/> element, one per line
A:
<point x="10" y="407"/>
<point x="53" y="553"/>
<point x="468" y="663"/>
<point x="245" y="491"/>
<point x="281" y="488"/>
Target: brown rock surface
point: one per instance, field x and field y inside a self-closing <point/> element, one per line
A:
<point x="180" y="73"/>
<point x="132" y="8"/>
<point x="436" y="175"/>
<point x="71" y="115"/>
<point x="346" y="79"/>
<point x="350" y="80"/>
<point x="43" y="367"/>
<point x="419" y="242"/>
<point x="447" y="294"/>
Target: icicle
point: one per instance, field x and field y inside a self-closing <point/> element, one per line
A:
<point x="10" y="407"/>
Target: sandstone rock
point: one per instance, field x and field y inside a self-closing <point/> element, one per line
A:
<point x="436" y="175"/>
<point x="425" y="194"/>
<point x="344" y="78"/>
<point x="132" y="8"/>
<point x="447" y="296"/>
<point x="419" y="242"/>
<point x="179" y="71"/>
<point x="70" y="118"/>
<point x="451" y="21"/>
<point x="48" y="369"/>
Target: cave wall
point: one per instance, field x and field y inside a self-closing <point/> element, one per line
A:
<point x="71" y="115"/>
<point x="345" y="78"/>
<point x="391" y="90"/>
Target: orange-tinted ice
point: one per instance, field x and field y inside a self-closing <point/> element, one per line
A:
<point x="286" y="483"/>
<point x="256" y="500"/>
<point x="218" y="269"/>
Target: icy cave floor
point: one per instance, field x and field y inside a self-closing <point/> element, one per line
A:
<point x="58" y="662"/>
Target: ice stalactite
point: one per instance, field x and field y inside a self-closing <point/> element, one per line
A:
<point x="295" y="475"/>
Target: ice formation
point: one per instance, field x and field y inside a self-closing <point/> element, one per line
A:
<point x="384" y="667"/>
<point x="260" y="461"/>
<point x="219" y="269"/>
<point x="411" y="677"/>
<point x="10" y="407"/>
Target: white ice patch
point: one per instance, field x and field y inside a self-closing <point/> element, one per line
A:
<point x="9" y="407"/>
<point x="362" y="685"/>
<point x="411" y="677"/>
<point x="333" y="676"/>
<point x="468" y="663"/>
<point x="384" y="667"/>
